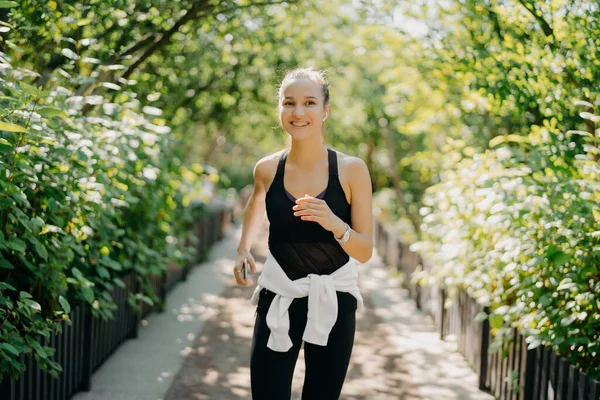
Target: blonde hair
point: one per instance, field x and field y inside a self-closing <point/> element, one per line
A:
<point x="313" y="74"/>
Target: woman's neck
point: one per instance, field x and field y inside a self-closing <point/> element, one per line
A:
<point x="305" y="153"/>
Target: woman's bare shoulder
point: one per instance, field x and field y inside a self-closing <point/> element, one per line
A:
<point x="354" y="175"/>
<point x="350" y="164"/>
<point x="266" y="167"/>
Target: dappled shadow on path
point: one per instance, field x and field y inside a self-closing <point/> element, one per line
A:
<point x="217" y="362"/>
<point x="434" y="366"/>
<point x="378" y="370"/>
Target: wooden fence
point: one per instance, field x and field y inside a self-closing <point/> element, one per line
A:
<point x="88" y="342"/>
<point x="511" y="373"/>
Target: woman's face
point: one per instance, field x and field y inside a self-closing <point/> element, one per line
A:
<point x="301" y="108"/>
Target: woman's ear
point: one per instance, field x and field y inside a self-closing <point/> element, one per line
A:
<point x="327" y="112"/>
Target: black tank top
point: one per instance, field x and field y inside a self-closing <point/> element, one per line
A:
<point x="305" y="247"/>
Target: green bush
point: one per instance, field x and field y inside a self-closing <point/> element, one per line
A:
<point x="517" y="227"/>
<point x="84" y="200"/>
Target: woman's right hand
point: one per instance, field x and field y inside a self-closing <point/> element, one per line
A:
<point x="239" y="263"/>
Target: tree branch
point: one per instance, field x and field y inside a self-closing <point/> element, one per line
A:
<point x="132" y="49"/>
<point x="165" y="37"/>
<point x="495" y="22"/>
<point x="262" y="3"/>
<point x="548" y="31"/>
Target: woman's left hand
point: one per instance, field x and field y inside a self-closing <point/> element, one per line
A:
<point x="312" y="209"/>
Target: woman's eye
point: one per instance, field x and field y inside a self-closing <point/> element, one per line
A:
<point x="287" y="103"/>
<point x="310" y="103"/>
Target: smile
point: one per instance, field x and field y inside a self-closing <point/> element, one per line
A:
<point x="299" y="124"/>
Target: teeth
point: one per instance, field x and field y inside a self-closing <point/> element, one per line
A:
<point x="299" y="124"/>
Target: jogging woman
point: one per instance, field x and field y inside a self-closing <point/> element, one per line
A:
<point x="319" y="205"/>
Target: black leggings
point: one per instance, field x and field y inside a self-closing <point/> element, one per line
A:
<point x="271" y="372"/>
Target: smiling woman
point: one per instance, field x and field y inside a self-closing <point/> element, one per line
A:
<point x="305" y="103"/>
<point x="318" y="202"/>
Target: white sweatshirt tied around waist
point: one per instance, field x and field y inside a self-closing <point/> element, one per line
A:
<point x="322" y="301"/>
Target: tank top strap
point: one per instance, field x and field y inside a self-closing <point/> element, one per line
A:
<point x="333" y="166"/>
<point x="281" y="164"/>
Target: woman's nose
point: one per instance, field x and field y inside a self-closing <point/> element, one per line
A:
<point x="298" y="111"/>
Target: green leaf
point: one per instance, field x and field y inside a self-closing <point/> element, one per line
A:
<point x="41" y="250"/>
<point x="24" y="295"/>
<point x="4" y="263"/>
<point x="480" y="317"/>
<point x="559" y="258"/>
<point x="84" y="21"/>
<point x="88" y="294"/>
<point x="31" y="90"/>
<point x="9" y="127"/>
<point x="5" y="145"/>
<point x="4" y="285"/>
<point x="33" y="304"/>
<point x="16" y="244"/>
<point x="147" y="300"/>
<point x="552" y="249"/>
<point x="583" y="103"/>
<point x="37" y="222"/>
<point x="119" y="283"/>
<point x="77" y="274"/>
<point x="16" y="364"/>
<point x="534" y="343"/>
<point x="23" y="219"/>
<point x="590" y="116"/>
<point x="69" y="54"/>
<point x="112" y="264"/>
<point x="566" y="321"/>
<point x="581" y="133"/>
<point x="39" y="350"/>
<point x="65" y="304"/>
<point x="9" y="348"/>
<point x="494" y="346"/>
<point x="103" y="272"/>
<point x="566" y="284"/>
<point x="496" y="321"/>
<point x="52" y="112"/>
<point x="506" y="139"/>
<point x="8" y="4"/>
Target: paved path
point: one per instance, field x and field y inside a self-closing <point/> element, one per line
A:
<point x="199" y="348"/>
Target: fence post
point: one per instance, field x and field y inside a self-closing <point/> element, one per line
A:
<point x="417" y="285"/>
<point x="485" y="343"/>
<point x="185" y="271"/>
<point x="594" y="389"/>
<point x="6" y="387"/>
<point x="442" y="312"/>
<point x="136" y="313"/>
<point x="86" y="354"/>
<point x="530" y="372"/>
<point x="162" y="289"/>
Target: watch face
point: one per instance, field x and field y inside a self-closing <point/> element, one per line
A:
<point x="347" y="235"/>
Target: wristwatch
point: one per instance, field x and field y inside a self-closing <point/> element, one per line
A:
<point x="345" y="237"/>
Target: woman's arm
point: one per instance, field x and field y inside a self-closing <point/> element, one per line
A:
<point x="360" y="244"/>
<point x="253" y="217"/>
